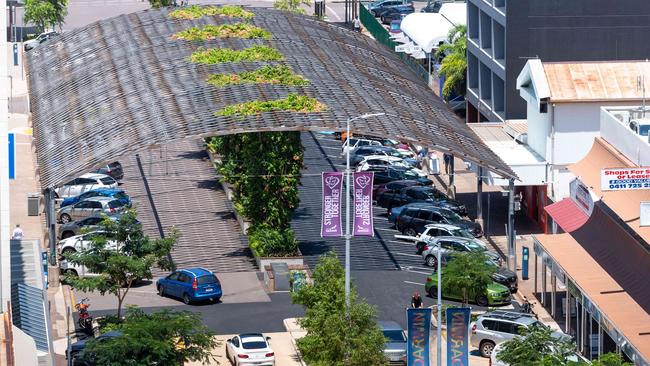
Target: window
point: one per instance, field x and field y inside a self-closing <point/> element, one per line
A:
<point x="173" y="276"/>
<point x="206" y="280"/>
<point x="115" y="204"/>
<point x="121" y="195"/>
<point x="458" y="247"/>
<point x="435" y="232"/>
<point x="85" y="181"/>
<point x="254" y="345"/>
<point x="184" y="278"/>
<point x="89" y="194"/>
<point x="489" y="324"/>
<point x="411" y="212"/>
<point x="395" y="336"/>
<point x="92" y="221"/>
<point x="436" y="217"/>
<point x="95" y="204"/>
<point x="424" y="215"/>
<point x="447" y="245"/>
<point x="235" y="342"/>
<point x="84" y="204"/>
<point x="506" y="327"/>
<point x="413" y="194"/>
<point x="107" y="181"/>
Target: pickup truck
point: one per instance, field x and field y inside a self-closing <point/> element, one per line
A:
<point x="419" y="194"/>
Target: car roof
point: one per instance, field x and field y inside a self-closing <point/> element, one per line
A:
<point x="94" y="176"/>
<point x="105" y="190"/>
<point x="382" y="157"/>
<point x="100" y="199"/>
<point x="454" y="238"/>
<point x="197" y="271"/>
<point x="251" y="335"/>
<point x="422" y="188"/>
<point x="389" y="325"/>
<point x="514" y="316"/>
<point x="442" y="226"/>
<point x="427" y="205"/>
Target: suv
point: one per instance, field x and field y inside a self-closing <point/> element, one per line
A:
<point x="396" y="347"/>
<point x="381" y="6"/>
<point x="93" y="206"/>
<point x="386" y="174"/>
<point x="499" y="326"/>
<point x="359" y="154"/>
<point x="85" y="183"/>
<point x="353" y="143"/>
<point x="454" y="244"/>
<point x="420" y="194"/>
<point x="494" y="294"/>
<point x="414" y="217"/>
<point x="100" y="192"/>
<point x="432" y="231"/>
<point x="113" y="169"/>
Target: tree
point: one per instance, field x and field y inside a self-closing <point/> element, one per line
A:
<point x="536" y="346"/>
<point x="293" y="6"/>
<point x="157" y="4"/>
<point x="454" y="64"/>
<point x="45" y="13"/>
<point x="332" y="339"/>
<point x="611" y="359"/>
<point x="120" y="254"/>
<point x="468" y="271"/>
<point x="162" y="338"/>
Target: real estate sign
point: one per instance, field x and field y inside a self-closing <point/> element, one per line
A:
<point x="619" y="179"/>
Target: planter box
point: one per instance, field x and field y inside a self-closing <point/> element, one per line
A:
<point x="263" y="262"/>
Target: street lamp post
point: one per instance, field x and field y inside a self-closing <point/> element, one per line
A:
<point x="347" y="210"/>
<point x="439" y="304"/>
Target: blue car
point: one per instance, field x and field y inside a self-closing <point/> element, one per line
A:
<point x="100" y="192"/>
<point x="194" y="284"/>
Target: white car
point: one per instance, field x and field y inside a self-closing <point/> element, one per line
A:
<point x="28" y="45"/>
<point x="85" y="183"/>
<point x="385" y="160"/>
<point x="75" y="270"/>
<point x="250" y="349"/>
<point x="431" y="231"/>
<point x="352" y="143"/>
<point x="80" y="242"/>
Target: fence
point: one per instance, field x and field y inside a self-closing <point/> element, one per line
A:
<point x="383" y="36"/>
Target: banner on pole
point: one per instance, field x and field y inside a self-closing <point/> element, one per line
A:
<point x="363" y="204"/>
<point x="458" y="336"/>
<point x="331" y="216"/>
<point x="418" y="325"/>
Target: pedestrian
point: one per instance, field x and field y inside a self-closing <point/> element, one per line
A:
<point x="447" y="159"/>
<point x="357" y="24"/>
<point x="416" y="301"/>
<point x="17" y="234"/>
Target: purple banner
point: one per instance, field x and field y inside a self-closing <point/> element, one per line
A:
<point x="363" y="204"/>
<point x="331" y="217"/>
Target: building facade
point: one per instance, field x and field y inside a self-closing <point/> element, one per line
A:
<point x="502" y="35"/>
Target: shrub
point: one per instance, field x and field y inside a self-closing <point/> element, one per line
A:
<point x="269" y="242"/>
<point x="194" y="11"/>
<point x="270" y="74"/>
<point x="222" y="55"/>
<point x="236" y="30"/>
<point x="293" y="103"/>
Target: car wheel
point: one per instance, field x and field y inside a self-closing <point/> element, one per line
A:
<point x="161" y="291"/>
<point x="433" y="291"/>
<point x="410" y="231"/>
<point x="486" y="348"/>
<point x="65" y="218"/>
<point x="186" y="299"/>
<point x="67" y="234"/>
<point x="481" y="300"/>
<point x="67" y="250"/>
<point x="431" y="261"/>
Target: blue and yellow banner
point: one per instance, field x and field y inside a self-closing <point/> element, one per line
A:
<point x="458" y="336"/>
<point x="418" y="325"/>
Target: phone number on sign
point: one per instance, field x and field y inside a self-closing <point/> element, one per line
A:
<point x="628" y="184"/>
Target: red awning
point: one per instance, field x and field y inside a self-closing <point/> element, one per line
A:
<point x="567" y="214"/>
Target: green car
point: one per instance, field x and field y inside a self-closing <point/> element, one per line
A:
<point x="496" y="294"/>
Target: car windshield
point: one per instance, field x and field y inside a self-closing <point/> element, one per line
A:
<point x="115" y="204"/>
<point x="462" y="233"/>
<point x="395" y="335"/>
<point x="206" y="280"/>
<point x="450" y="215"/>
<point x="254" y="345"/>
<point x="474" y="246"/>
<point x="644" y="129"/>
<point x="107" y="180"/>
<point x="352" y="142"/>
<point x="121" y="195"/>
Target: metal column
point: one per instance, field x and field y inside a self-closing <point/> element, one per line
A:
<point x="451" y="189"/>
<point x="543" y="283"/>
<point x="553" y="294"/>
<point x="567" y="310"/>
<point x="479" y="196"/>
<point x="50" y="219"/>
<point x="511" y="225"/>
<point x="535" y="276"/>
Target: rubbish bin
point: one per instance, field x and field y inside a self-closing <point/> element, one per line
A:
<point x="33" y="203"/>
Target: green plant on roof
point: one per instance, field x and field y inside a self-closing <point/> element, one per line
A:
<point x="236" y="30"/>
<point x="194" y="11"/>
<point x="292" y="103"/>
<point x="222" y="55"/>
<point x="270" y="74"/>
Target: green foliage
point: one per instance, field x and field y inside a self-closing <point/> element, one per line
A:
<point x="195" y="11"/>
<point x="293" y="103"/>
<point x="157" y="4"/>
<point x="45" y="13"/>
<point x="164" y="338"/>
<point x="537" y="346"/>
<point x="467" y="271"/>
<point x="611" y="359"/>
<point x="221" y="55"/>
<point x="454" y="66"/>
<point x="236" y="30"/>
<point x="269" y="242"/>
<point x="125" y="258"/>
<point x="270" y="74"/>
<point x="332" y="339"/>
<point x="293" y="6"/>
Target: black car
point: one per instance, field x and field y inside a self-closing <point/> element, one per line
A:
<point x="394" y="186"/>
<point x="396" y="13"/>
<point x="79" y="358"/>
<point x="359" y="154"/>
<point x="420" y="194"/>
<point x="113" y="169"/>
<point x="432" y="7"/>
<point x="388" y="174"/>
<point x="380" y="6"/>
<point x="506" y="277"/>
<point x="415" y="216"/>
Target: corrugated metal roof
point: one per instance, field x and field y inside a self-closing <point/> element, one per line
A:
<point x="596" y="81"/>
<point x="28" y="313"/>
<point x="123" y="84"/>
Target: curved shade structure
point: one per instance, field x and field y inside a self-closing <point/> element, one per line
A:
<point x="125" y="84"/>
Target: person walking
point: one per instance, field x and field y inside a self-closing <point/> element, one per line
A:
<point x="18" y="233"/>
<point x="357" y="24"/>
<point x="416" y="301"/>
<point x="447" y="159"/>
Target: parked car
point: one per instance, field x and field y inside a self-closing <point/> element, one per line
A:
<point x="506" y="277"/>
<point x="43" y="37"/>
<point x="113" y="169"/>
<point x="250" y="349"/>
<point x="93" y="206"/>
<point x="396" y="346"/>
<point x="82" y="242"/>
<point x="71" y="269"/>
<point x="414" y="217"/>
<point x="353" y="143"/>
<point x="395" y="26"/>
<point x="433" y="231"/>
<point x="494" y="294"/>
<point x="385" y="160"/>
<point x="574" y="358"/>
<point x="79" y="357"/>
<point x="496" y="327"/>
<point x="454" y="244"/>
<point x="357" y="155"/>
<point x="393" y="186"/>
<point x="85" y="183"/>
<point x="380" y="6"/>
<point x="75" y="227"/>
<point x="99" y="192"/>
<point x="432" y="7"/>
<point x="385" y="174"/>
<point x="398" y="12"/>
<point x="420" y="194"/>
<point x="191" y="285"/>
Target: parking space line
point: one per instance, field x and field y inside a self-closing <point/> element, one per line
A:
<point x="384" y="229"/>
<point x="408" y="255"/>
<point x="413" y="283"/>
<point x="401" y="242"/>
<point x="331" y="147"/>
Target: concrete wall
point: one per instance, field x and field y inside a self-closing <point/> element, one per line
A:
<point x="622" y="138"/>
<point x="539" y="130"/>
<point x="24" y="348"/>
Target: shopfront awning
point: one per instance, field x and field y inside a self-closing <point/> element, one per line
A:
<point x="567" y="214"/>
